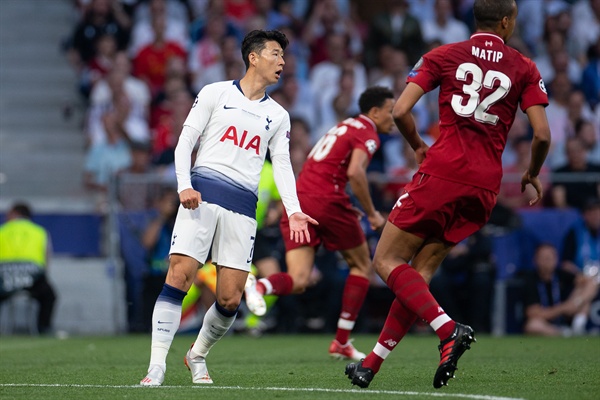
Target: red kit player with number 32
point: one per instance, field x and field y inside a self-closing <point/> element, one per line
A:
<point x="482" y="83"/>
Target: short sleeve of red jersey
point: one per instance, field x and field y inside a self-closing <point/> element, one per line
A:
<point x="534" y="92"/>
<point x="369" y="142"/>
<point x="427" y="71"/>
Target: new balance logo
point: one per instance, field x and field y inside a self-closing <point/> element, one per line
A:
<point x="490" y="43"/>
<point x="229" y="108"/>
<point x="390" y="342"/>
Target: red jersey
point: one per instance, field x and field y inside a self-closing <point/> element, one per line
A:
<point x="325" y="171"/>
<point x="482" y="82"/>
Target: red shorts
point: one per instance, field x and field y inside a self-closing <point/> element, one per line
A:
<point x="338" y="229"/>
<point x="450" y="211"/>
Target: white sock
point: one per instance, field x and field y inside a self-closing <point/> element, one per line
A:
<point x="165" y="322"/>
<point x="214" y="327"/>
<point x="268" y="285"/>
<point x="579" y="323"/>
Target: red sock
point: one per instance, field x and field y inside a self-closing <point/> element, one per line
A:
<point x="355" y="291"/>
<point x="397" y="323"/>
<point x="281" y="284"/>
<point x="413" y="292"/>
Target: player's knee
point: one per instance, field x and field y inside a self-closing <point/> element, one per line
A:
<point x="229" y="303"/>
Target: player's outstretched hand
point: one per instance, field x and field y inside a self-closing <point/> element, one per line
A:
<point x="190" y="199"/>
<point x="299" y="227"/>
<point x="536" y="183"/>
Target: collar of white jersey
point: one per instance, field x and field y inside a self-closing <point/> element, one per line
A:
<point x="237" y="84"/>
<point x="369" y="120"/>
<point x="487" y="35"/>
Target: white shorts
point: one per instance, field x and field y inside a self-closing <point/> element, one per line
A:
<point x="229" y="236"/>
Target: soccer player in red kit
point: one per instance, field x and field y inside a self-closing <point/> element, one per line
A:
<point x="482" y="82"/>
<point x="339" y="157"/>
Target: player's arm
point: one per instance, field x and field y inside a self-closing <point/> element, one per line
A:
<point x="193" y="127"/>
<point x="405" y="121"/>
<point x="357" y="176"/>
<point x="285" y="181"/>
<point x="539" y="149"/>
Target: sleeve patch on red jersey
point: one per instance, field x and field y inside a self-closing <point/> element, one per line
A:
<point x="542" y="86"/>
<point x="418" y="64"/>
<point x="371" y="146"/>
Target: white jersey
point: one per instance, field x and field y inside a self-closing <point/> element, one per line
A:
<point x="235" y="133"/>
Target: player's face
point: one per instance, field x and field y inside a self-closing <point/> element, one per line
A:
<point x="270" y="62"/>
<point x="383" y="117"/>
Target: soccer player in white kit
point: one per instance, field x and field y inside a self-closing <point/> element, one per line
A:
<point x="235" y="123"/>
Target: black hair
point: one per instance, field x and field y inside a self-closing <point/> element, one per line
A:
<point x="488" y="13"/>
<point x="22" y="210"/>
<point x="255" y="42"/>
<point x="374" y="96"/>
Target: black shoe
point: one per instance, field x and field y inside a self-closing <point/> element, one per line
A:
<point x="359" y="375"/>
<point x="450" y="351"/>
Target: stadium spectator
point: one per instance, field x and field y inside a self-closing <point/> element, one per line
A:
<point x="100" y="65"/>
<point x="423" y="10"/>
<point x="581" y="245"/>
<point x="135" y="89"/>
<point x="127" y="98"/>
<point x="150" y="63"/>
<point x="338" y="75"/>
<point x="444" y="27"/>
<point x="168" y="129"/>
<point x="556" y="59"/>
<point x="272" y="17"/>
<point x="206" y="63"/>
<point x="214" y="9"/>
<point x="106" y="158"/>
<point x="175" y="18"/>
<point x="25" y="253"/>
<point x="531" y="21"/>
<point x="395" y="26"/>
<point x="586" y="30"/>
<point x="326" y="19"/>
<point x="570" y="188"/>
<point x="555" y="303"/>
<point x="296" y="98"/>
<point x="392" y="63"/>
<point x="591" y="75"/>
<point x="589" y="134"/>
<point x="136" y="189"/>
<point x="341" y="156"/>
<point x="453" y="194"/>
<point x="558" y="118"/>
<point x="100" y="18"/>
<point x="221" y="187"/>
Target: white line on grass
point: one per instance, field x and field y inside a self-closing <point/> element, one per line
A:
<point x="274" y="389"/>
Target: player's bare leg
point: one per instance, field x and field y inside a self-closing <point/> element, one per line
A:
<point x="167" y="315"/>
<point x="217" y="320"/>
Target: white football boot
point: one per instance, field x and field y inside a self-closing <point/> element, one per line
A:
<point x="254" y="300"/>
<point x="155" y="377"/>
<point x="197" y="367"/>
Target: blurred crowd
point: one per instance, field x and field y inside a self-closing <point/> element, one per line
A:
<point x="140" y="63"/>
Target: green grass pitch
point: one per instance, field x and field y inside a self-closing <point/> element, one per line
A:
<point x="297" y="367"/>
